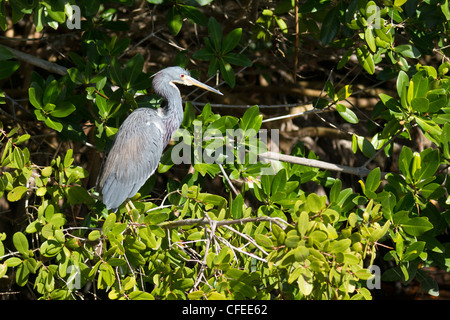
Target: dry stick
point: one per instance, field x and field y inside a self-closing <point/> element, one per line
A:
<point x="228" y="180"/>
<point x="361" y="171"/>
<point x="213" y="225"/>
<point x="297" y="30"/>
<point x="46" y="65"/>
<point x="247" y="237"/>
<point x="203" y="221"/>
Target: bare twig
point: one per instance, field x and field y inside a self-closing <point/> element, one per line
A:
<point x="361" y="171"/>
<point x="248" y="238"/>
<point x="46" y="65"/>
<point x="188" y="222"/>
<point x="228" y="180"/>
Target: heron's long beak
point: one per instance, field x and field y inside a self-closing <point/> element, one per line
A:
<point x="189" y="81"/>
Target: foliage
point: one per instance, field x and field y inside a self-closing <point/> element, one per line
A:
<point x="272" y="237"/>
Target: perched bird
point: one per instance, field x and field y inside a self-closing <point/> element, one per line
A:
<point x="141" y="139"/>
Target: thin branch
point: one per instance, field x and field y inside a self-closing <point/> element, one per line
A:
<point x="248" y="238"/>
<point x="260" y="106"/>
<point x="240" y="250"/>
<point x="188" y="222"/>
<point x="228" y="180"/>
<point x="28" y="58"/>
<point x="294" y="115"/>
<point x="213" y="225"/>
<point x="361" y="171"/>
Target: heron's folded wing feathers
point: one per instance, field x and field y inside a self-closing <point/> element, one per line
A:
<point x="133" y="158"/>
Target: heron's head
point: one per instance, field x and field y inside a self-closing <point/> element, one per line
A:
<point x="172" y="75"/>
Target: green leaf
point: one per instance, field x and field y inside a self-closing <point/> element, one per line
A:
<point x="63" y="109"/>
<point x="318" y="236"/>
<point x="420" y="104"/>
<point x="292" y="241"/>
<point x="408" y="51"/>
<point x="50" y="248"/>
<point x="263" y="240"/>
<point x="215" y="33"/>
<point x="21" y="243"/>
<point x="174" y="20"/>
<point x="344" y="92"/>
<point x="116" y="72"/>
<point x="76" y="75"/>
<point x="109" y="223"/>
<point x="428" y="283"/>
<point x="17" y="193"/>
<point x="399" y="3"/>
<point x="22" y="273"/>
<point x="390" y="103"/>
<point x="94" y="235"/>
<point x="227" y="73"/>
<point x="445" y="8"/>
<point x="5" y="54"/>
<point x="373" y="180"/>
<point x="330" y="26"/>
<point x="13" y="262"/>
<point x="436" y="102"/>
<point x="429" y="164"/>
<point x="7" y="68"/>
<point x="429" y="126"/>
<point x="3" y="269"/>
<point x="107" y="274"/>
<point x="405" y="160"/>
<point x="203" y="54"/>
<point x="251" y="120"/>
<point x="193" y="14"/>
<point x="237" y="207"/>
<point x="77" y="195"/>
<point x="315" y="203"/>
<point x="416" y="226"/>
<point x="302" y="223"/>
<point x="53" y="124"/>
<point x="345" y="58"/>
<point x="347" y="114"/>
<point x="237" y="59"/>
<point x="196" y="295"/>
<point x="370" y="39"/>
<point x="432" y="191"/>
<point x="365" y="59"/>
<point x="305" y="284"/>
<point x="35" y="96"/>
<point x="340" y="245"/>
<point x="231" y="40"/>
<point x="301" y="253"/>
<point x="133" y="69"/>
<point x="413" y="251"/>
<point x="140" y="295"/>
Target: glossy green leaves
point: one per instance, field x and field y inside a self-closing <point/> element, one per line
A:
<point x="218" y="52"/>
<point x="177" y="13"/>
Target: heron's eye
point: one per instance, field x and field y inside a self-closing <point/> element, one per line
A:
<point x="182" y="76"/>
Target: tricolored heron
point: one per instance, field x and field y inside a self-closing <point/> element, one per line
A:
<point x="142" y="137"/>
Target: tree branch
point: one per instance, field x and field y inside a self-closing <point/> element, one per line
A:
<point x="28" y="58"/>
<point x="361" y="171"/>
<point x="203" y="221"/>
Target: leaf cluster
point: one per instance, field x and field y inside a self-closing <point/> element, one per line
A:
<point x="264" y="234"/>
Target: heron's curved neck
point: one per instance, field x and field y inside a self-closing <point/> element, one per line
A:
<point x="173" y="113"/>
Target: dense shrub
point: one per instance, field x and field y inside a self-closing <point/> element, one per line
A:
<point x="367" y="81"/>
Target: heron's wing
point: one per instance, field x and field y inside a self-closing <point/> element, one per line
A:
<point x="134" y="157"/>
